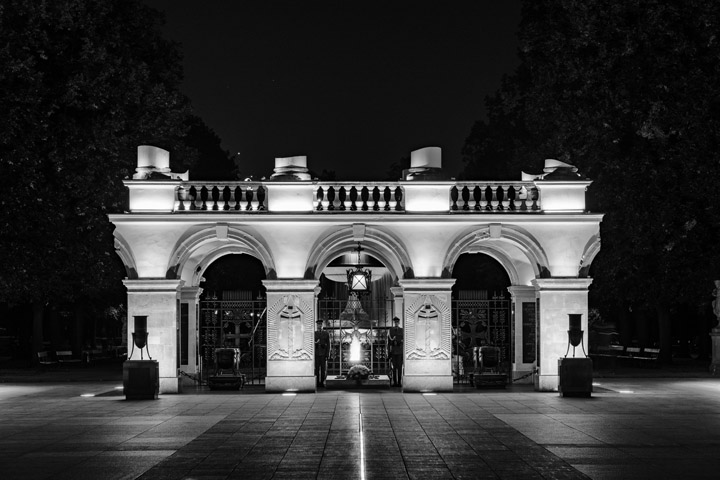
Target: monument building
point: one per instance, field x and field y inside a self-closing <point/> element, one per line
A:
<point x="350" y="257"/>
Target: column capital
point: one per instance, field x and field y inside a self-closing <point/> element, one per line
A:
<point x="290" y="285"/>
<point x="396" y="291"/>
<point x="427" y="284"/>
<point x="190" y="293"/>
<point x="569" y="283"/>
<point x="152" y="285"/>
<point x="521" y="290"/>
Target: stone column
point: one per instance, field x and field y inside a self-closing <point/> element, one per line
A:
<point x="557" y="298"/>
<point x="158" y="299"/>
<point x="190" y="296"/>
<point x="397" y="293"/>
<point x="428" y="334"/>
<point x="524" y="318"/>
<point x="290" y="335"/>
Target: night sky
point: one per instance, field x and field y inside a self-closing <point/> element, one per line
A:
<point x="353" y="85"/>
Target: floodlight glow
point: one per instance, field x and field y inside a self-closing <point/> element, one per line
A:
<point x="87" y="395"/>
<point x="429" y="394"/>
<point x="625" y="391"/>
<point x="355" y="350"/>
<point x="289" y="394"/>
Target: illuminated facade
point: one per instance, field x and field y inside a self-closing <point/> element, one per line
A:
<point x="538" y="229"/>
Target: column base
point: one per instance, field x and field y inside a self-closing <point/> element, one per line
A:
<point x="290" y="384"/>
<point x="522" y="374"/>
<point x="427" y="383"/>
<point x="547" y="383"/>
<point x="169" y="385"/>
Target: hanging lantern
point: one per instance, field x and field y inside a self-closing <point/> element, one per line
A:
<point x="358" y="279"/>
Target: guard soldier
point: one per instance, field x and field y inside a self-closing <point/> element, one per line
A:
<point x="322" y="349"/>
<point x="396" y="351"/>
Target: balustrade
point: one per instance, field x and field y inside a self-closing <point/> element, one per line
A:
<point x="335" y="197"/>
<point x="494" y="197"/>
<point x="478" y="197"/>
<point x="201" y="196"/>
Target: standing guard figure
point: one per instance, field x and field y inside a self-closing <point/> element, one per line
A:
<point x="396" y="350"/>
<point x="322" y="349"/>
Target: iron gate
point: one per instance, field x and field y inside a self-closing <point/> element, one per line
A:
<point x="358" y="332"/>
<point x="236" y="321"/>
<point x="479" y="320"/>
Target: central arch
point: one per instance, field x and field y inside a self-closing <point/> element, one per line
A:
<point x="376" y="242"/>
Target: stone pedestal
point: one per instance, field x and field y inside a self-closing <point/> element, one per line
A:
<point x="715" y="365"/>
<point x="290" y="335"/>
<point x="141" y="379"/>
<point x="575" y="377"/>
<point x="427" y="330"/>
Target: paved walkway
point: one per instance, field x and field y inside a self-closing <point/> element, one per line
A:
<point x="665" y="428"/>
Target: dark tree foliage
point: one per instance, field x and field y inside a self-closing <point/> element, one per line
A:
<point x="82" y="83"/>
<point x="630" y="93"/>
<point x="214" y="163"/>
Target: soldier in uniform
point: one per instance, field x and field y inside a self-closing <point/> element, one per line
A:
<point x="322" y="349"/>
<point x="395" y="341"/>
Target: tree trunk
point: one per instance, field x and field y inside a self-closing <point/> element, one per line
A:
<point x="38" y="310"/>
<point x="665" y="331"/>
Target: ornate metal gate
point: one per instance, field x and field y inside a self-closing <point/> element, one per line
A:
<point x="358" y="332"/>
<point x="479" y="320"/>
<point x="236" y="321"/>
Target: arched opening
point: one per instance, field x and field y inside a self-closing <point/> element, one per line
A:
<point x="357" y="322"/>
<point x="233" y="315"/>
<point x="480" y="313"/>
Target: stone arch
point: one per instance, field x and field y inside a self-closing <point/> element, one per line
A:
<point x="125" y="253"/>
<point x="505" y="245"/>
<point x="592" y="247"/>
<point x="192" y="255"/>
<point x="377" y="242"/>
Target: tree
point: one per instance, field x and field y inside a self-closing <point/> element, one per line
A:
<point x="82" y="83"/>
<point x="214" y="163"/>
<point x="630" y="93"/>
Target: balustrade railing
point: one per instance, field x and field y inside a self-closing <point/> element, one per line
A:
<point x="494" y="197"/>
<point x="381" y="197"/>
<point x="210" y="196"/>
<point x="351" y="197"/>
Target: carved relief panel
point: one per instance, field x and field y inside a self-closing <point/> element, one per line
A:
<point x="288" y="336"/>
<point x="427" y="335"/>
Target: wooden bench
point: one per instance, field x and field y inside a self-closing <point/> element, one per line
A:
<point x="45" y="360"/>
<point x="642" y="357"/>
<point x="607" y="355"/>
<point x="65" y="357"/>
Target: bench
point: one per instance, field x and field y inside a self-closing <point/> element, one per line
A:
<point x="607" y="355"/>
<point x="45" y="360"/>
<point x="65" y="357"/>
<point x="648" y="357"/>
<point x="95" y="354"/>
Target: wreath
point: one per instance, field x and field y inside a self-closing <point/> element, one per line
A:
<point x="358" y="372"/>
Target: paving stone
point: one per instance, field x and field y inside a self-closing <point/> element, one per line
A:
<point x="517" y="433"/>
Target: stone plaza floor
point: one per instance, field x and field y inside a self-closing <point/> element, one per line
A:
<point x="635" y="428"/>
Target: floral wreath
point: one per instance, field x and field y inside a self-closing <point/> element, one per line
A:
<point x="358" y="372"/>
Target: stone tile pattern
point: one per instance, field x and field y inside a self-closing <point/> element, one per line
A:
<point x="665" y="429"/>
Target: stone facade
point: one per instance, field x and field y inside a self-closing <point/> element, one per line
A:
<point x="537" y="229"/>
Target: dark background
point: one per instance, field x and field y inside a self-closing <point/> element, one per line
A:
<point x="355" y="86"/>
